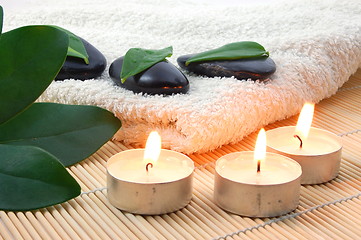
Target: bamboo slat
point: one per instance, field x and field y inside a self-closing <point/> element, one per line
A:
<point x="326" y="211"/>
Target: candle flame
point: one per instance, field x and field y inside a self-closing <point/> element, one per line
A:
<point x="152" y="148"/>
<point x="260" y="148"/>
<point x="304" y="121"/>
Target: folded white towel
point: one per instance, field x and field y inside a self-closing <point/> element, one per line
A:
<point x="316" y="45"/>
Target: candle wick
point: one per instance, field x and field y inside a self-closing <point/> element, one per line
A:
<point x="148" y="165"/>
<point x="296" y="136"/>
<point x="258" y="166"/>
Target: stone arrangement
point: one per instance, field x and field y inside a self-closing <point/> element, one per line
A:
<point x="164" y="78"/>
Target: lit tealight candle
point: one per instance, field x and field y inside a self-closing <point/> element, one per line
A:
<point x="318" y="151"/>
<point x="257" y="184"/>
<point x="150" y="181"/>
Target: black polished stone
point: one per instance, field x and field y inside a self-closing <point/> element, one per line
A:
<point x="242" y="69"/>
<point x="162" y="78"/>
<point x="76" y="68"/>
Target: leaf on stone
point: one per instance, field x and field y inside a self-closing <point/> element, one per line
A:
<point x="69" y="132"/>
<point x="231" y="51"/>
<point x="31" y="178"/>
<point x="137" y="60"/>
<point x="30" y="58"/>
<point x="76" y="46"/>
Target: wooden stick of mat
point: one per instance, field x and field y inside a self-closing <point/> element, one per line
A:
<point x="63" y="211"/>
<point x="82" y="222"/>
<point x="158" y="224"/>
<point x="207" y="218"/>
<point x="150" y="234"/>
<point x="4" y="233"/>
<point x="47" y="226"/>
<point x="299" y="227"/>
<point x="92" y="219"/>
<point x="185" y="223"/>
<point x="174" y="223"/>
<point x="315" y="231"/>
<point x="119" y="215"/>
<point x="190" y="223"/>
<point x="329" y="225"/>
<point x="97" y="214"/>
<point x="37" y="226"/>
<point x="90" y="181"/>
<point x="26" y="223"/>
<point x="199" y="226"/>
<point x="92" y="170"/>
<point x="109" y="217"/>
<point x="9" y="224"/>
<point x="73" y="172"/>
<point x="149" y="226"/>
<point x="63" y="223"/>
<point x="19" y="226"/>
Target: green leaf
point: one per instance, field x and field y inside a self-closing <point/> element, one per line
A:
<point x="137" y="60"/>
<point x="31" y="178"/>
<point x="231" y="51"/>
<point x="69" y="132"/>
<point x="30" y="58"/>
<point x="1" y="19"/>
<point x="76" y="46"/>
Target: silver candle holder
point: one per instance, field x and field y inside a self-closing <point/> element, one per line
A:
<point x="319" y="157"/>
<point x="138" y="188"/>
<point x="273" y="191"/>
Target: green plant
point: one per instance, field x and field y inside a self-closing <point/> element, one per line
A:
<point x="38" y="140"/>
<point x="137" y="60"/>
<point x="231" y="51"/>
<point x="76" y="47"/>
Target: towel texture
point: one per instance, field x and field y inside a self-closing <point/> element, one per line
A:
<point x="316" y="45"/>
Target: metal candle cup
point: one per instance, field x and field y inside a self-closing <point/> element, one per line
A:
<point x="239" y="189"/>
<point x="166" y="188"/>
<point x="320" y="155"/>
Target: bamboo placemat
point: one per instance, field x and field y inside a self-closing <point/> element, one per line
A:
<point x="327" y="211"/>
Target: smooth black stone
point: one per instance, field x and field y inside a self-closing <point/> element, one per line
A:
<point x="162" y="78"/>
<point x="76" y="68"/>
<point x="242" y="69"/>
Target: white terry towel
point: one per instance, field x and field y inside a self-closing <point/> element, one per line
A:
<point x="316" y="45"/>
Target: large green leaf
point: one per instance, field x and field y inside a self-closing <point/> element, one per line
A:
<point x="76" y="46"/>
<point x="31" y="178"/>
<point x="137" y="60"/>
<point x="231" y="51"/>
<point x="1" y="19"/>
<point x="69" y="132"/>
<point x="30" y="58"/>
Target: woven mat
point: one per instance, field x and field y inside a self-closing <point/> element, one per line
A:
<point x="330" y="210"/>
